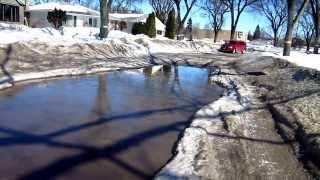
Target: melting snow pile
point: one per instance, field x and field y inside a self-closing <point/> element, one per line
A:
<point x="12" y="33"/>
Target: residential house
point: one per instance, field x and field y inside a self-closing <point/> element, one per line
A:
<point x="77" y="16"/>
<point x="124" y="22"/>
<point x="80" y="16"/>
<point x="224" y="35"/>
<point x="12" y="11"/>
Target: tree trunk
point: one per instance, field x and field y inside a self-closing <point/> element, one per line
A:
<point x="215" y="38"/>
<point x="275" y="38"/>
<point x="103" y="19"/>
<point x="288" y="41"/>
<point x="105" y="8"/>
<point x="308" y="46"/>
<point x="288" y="38"/>
<point x="316" y="19"/>
<point x="317" y="39"/>
<point x="180" y="26"/>
<point x="233" y="33"/>
<point x="275" y="41"/>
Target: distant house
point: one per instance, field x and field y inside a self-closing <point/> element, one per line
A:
<point x="124" y="22"/>
<point x="80" y="16"/>
<point x="224" y="35"/>
<point x="12" y="11"/>
<point x="77" y="16"/>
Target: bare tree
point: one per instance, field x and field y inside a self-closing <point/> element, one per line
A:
<point x="197" y="32"/>
<point x="215" y="10"/>
<point x="307" y="28"/>
<point x="293" y="17"/>
<point x="181" y="19"/>
<point x="125" y="6"/>
<point x="276" y="13"/>
<point x="315" y="9"/>
<point x="162" y="9"/>
<point x="236" y="8"/>
<point x="119" y="5"/>
<point x="105" y="9"/>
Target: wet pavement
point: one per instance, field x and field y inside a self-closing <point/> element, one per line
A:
<point x="120" y="125"/>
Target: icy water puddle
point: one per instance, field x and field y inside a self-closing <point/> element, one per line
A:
<point x="118" y="125"/>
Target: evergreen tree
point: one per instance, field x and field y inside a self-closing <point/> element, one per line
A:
<point x="56" y="17"/>
<point x="151" y="25"/>
<point x="257" y="33"/>
<point x="139" y="28"/>
<point x="250" y="36"/>
<point x="171" y="25"/>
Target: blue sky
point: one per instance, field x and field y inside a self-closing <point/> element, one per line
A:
<point x="248" y="21"/>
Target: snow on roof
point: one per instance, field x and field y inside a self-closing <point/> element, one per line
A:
<point x="64" y="7"/>
<point x="84" y="10"/>
<point x="21" y="2"/>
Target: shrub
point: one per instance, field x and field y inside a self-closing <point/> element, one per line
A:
<point x="257" y="33"/>
<point x="151" y="26"/>
<point x="138" y="28"/>
<point x="56" y="17"/>
<point x="171" y="25"/>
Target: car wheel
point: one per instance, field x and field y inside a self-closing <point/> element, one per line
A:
<point x="234" y="51"/>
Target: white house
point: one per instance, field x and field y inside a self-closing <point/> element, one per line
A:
<point x="77" y="16"/>
<point x="12" y="11"/>
<point x="130" y="19"/>
<point x="80" y="16"/>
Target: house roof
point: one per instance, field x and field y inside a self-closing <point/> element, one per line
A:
<point x="21" y="2"/>
<point x="135" y="18"/>
<point x="64" y="7"/>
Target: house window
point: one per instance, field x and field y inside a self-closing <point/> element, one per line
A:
<point x="1" y="12"/>
<point x="9" y="13"/>
<point x="159" y="32"/>
<point x="90" y="22"/>
<point x="74" y="21"/>
<point x="95" y="22"/>
<point x="69" y="21"/>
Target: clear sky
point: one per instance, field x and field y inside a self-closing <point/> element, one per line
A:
<point x="248" y="20"/>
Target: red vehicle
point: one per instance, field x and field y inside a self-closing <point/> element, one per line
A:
<point x="234" y="47"/>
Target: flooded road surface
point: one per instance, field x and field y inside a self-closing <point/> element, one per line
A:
<point x="119" y="125"/>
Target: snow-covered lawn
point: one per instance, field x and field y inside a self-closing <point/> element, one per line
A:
<point x="298" y="56"/>
<point x="12" y="33"/>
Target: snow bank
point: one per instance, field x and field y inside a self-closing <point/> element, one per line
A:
<point x="12" y="33"/>
<point x="194" y="149"/>
<point x="298" y="56"/>
<point x="303" y="59"/>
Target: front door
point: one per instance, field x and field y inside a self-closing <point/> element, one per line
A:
<point x="75" y="21"/>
